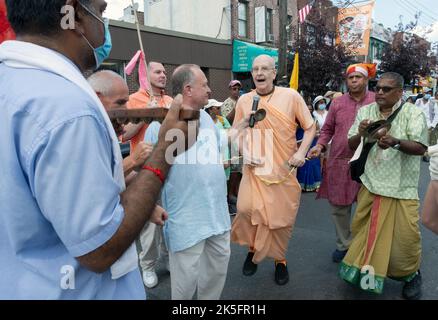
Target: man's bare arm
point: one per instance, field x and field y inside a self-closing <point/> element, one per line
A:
<point x="299" y="158"/>
<point x="308" y="137"/>
<point x="138" y="200"/>
<point x="412" y="148"/>
<point x="354" y="141"/>
<point x="137" y="158"/>
<point x="131" y="130"/>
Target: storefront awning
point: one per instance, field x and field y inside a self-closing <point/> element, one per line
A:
<point x="244" y="54"/>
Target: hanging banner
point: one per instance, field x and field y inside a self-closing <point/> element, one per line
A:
<point x="354" y="28"/>
<point x="244" y="54"/>
<point x="6" y="32"/>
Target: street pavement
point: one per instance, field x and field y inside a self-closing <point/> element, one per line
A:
<point x="313" y="276"/>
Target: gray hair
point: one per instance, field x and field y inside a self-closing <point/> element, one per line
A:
<point x="182" y="76"/>
<point x="394" y="76"/>
<point x="102" y="81"/>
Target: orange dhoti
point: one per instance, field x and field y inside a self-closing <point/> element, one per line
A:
<point x="268" y="200"/>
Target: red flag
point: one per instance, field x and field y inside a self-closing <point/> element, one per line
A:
<point x="6" y="32"/>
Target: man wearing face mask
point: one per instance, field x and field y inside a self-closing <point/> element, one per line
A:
<point x="430" y="110"/>
<point x="68" y="223"/>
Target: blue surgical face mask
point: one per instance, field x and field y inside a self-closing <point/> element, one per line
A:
<point x="101" y="53"/>
<point x="427" y="96"/>
<point x="322" y="106"/>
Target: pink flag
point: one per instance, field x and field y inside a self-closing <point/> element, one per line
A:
<point x="142" y="72"/>
<point x="305" y="11"/>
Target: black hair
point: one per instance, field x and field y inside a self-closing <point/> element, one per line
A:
<point x="36" y="16"/>
<point x="208" y="110"/>
<point x="396" y="77"/>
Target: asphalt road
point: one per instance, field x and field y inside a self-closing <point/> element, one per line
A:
<point x="313" y="276"/>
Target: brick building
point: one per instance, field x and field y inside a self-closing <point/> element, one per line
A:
<point x="223" y="51"/>
<point x="172" y="49"/>
<point x="243" y="20"/>
<point x="247" y="26"/>
<point x="256" y="23"/>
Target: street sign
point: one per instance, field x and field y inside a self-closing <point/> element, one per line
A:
<point x="244" y="54"/>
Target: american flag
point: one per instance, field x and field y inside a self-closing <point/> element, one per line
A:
<point x="305" y="11"/>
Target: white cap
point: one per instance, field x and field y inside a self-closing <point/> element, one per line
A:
<point x="318" y="99"/>
<point x="213" y="103"/>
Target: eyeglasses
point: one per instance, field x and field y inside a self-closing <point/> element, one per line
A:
<point x="103" y="20"/>
<point x="385" y="89"/>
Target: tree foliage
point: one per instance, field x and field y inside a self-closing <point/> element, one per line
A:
<point x="408" y="55"/>
<point x="408" y="58"/>
<point x="322" y="62"/>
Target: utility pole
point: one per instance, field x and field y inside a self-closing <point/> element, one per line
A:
<point x="282" y="62"/>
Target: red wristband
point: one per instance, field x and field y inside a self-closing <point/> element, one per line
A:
<point x="157" y="172"/>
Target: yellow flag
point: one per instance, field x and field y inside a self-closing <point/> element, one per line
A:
<point x="295" y="73"/>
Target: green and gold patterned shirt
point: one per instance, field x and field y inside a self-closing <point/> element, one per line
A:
<point x="392" y="173"/>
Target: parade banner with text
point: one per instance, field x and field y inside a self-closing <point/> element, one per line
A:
<point x="354" y="28"/>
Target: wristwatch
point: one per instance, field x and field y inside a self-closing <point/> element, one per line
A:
<point x="397" y="145"/>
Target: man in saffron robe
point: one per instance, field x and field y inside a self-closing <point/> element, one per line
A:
<point x="269" y="194"/>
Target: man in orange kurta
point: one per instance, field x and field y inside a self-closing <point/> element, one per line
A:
<point x="142" y="99"/>
<point x="151" y="235"/>
<point x="269" y="194"/>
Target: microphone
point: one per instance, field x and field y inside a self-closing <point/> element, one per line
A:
<point x="255" y="105"/>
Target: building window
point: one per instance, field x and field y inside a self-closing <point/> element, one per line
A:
<point x="329" y="40"/>
<point x="289" y="21"/>
<point x="311" y="34"/>
<point x="206" y="72"/>
<point x="243" y="19"/>
<point x="289" y="27"/>
<point x="380" y="52"/>
<point x="269" y="27"/>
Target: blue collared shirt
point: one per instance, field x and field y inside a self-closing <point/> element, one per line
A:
<point x="58" y="198"/>
<point x="195" y="192"/>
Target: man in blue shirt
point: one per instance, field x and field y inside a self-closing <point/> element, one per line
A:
<point x="67" y="224"/>
<point x="197" y="232"/>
